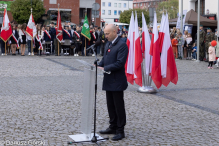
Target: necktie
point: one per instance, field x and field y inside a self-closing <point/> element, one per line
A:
<point x="110" y="44"/>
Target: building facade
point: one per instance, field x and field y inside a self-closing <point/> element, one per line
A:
<point x="71" y="10"/>
<point x="149" y="5"/>
<point x="111" y="9"/>
<point x="208" y="8"/>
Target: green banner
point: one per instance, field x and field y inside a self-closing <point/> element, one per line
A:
<point x="5" y="4"/>
<point x="85" y="29"/>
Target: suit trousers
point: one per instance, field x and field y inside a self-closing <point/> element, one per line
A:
<point x="116" y="110"/>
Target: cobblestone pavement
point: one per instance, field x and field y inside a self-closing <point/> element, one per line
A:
<point x="41" y="101"/>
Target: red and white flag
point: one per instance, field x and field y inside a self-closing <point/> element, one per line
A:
<point x="168" y="66"/>
<point x="161" y="32"/>
<point x="146" y="44"/>
<point x="59" y="35"/>
<point x="138" y="55"/>
<point x="155" y="52"/>
<point x="6" y="30"/>
<point x="129" y="66"/>
<point x="31" y="27"/>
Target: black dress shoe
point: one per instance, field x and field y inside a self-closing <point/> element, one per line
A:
<point x="118" y="136"/>
<point x="108" y="131"/>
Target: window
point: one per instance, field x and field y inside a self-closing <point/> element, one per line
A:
<point x="103" y="3"/>
<point x="103" y="12"/>
<point x="124" y="5"/>
<point x="140" y="5"/>
<point x="115" y="12"/>
<point x="202" y="7"/>
<point x="52" y="1"/>
<point x="115" y="4"/>
<point x="154" y="3"/>
<point x="134" y="5"/>
<point x="119" y="12"/>
<point x="109" y="12"/>
<point x="119" y="5"/>
<point x="109" y="4"/>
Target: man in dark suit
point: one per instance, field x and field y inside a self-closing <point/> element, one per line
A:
<point x="114" y="59"/>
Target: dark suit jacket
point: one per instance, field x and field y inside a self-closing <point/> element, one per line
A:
<point x="114" y="60"/>
<point x="92" y="38"/>
<point x="66" y="36"/>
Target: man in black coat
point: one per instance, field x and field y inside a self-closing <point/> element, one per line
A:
<point x="114" y="59"/>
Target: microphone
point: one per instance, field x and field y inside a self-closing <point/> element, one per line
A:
<point x="97" y="43"/>
<point x="91" y="47"/>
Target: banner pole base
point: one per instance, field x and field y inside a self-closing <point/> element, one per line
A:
<point x="147" y="89"/>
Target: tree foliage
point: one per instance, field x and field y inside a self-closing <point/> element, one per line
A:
<point x="21" y="10"/>
<point x="125" y="16"/>
<point x="171" y="6"/>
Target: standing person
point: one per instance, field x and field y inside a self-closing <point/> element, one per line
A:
<point x="209" y="37"/>
<point x="18" y="48"/>
<point x="180" y="44"/>
<point x="29" y="39"/>
<point x="103" y="42"/>
<point x="99" y="32"/>
<point x="14" y="39"/>
<point x="188" y="44"/>
<point x="77" y="40"/>
<point x="115" y="55"/>
<point x="185" y="35"/>
<point x="124" y="39"/>
<point x="94" y="37"/>
<point x="38" y="40"/>
<point x="202" y="43"/>
<point x="53" y="35"/>
<point x="174" y="45"/>
<point x="48" y="38"/>
<point x="22" y="37"/>
<point x="194" y="51"/>
<point x="212" y="55"/>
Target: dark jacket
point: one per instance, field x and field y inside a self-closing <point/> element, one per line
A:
<point x="66" y="36"/>
<point x="53" y="32"/>
<point x="46" y="37"/>
<point x="92" y="37"/>
<point x="75" y="37"/>
<point x="114" y="60"/>
<point x="16" y="36"/>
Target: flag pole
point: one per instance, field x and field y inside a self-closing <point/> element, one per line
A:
<point x="5" y="47"/>
<point x="85" y="47"/>
<point x="57" y="29"/>
<point x="31" y="39"/>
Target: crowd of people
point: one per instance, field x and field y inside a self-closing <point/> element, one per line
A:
<point x="184" y="46"/>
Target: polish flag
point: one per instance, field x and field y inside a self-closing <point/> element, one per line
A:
<point x="129" y="66"/>
<point x="146" y="44"/>
<point x="161" y="32"/>
<point x="155" y="52"/>
<point x="168" y="66"/>
<point x="138" y="54"/>
<point x="31" y="27"/>
<point x="6" y="31"/>
<point x="59" y="35"/>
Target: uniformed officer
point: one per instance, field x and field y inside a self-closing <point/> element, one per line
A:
<point x="202" y="43"/>
<point x="77" y="40"/>
<point x="209" y="37"/>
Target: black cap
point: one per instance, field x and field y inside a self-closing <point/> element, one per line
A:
<point x="52" y="23"/>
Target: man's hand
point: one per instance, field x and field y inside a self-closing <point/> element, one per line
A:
<point x="77" y="40"/>
<point x="101" y="68"/>
<point x="94" y="42"/>
<point x="103" y="41"/>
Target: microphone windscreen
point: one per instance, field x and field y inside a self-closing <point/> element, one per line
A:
<point x="97" y="43"/>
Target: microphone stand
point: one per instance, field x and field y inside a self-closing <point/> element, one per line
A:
<point x="94" y="139"/>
